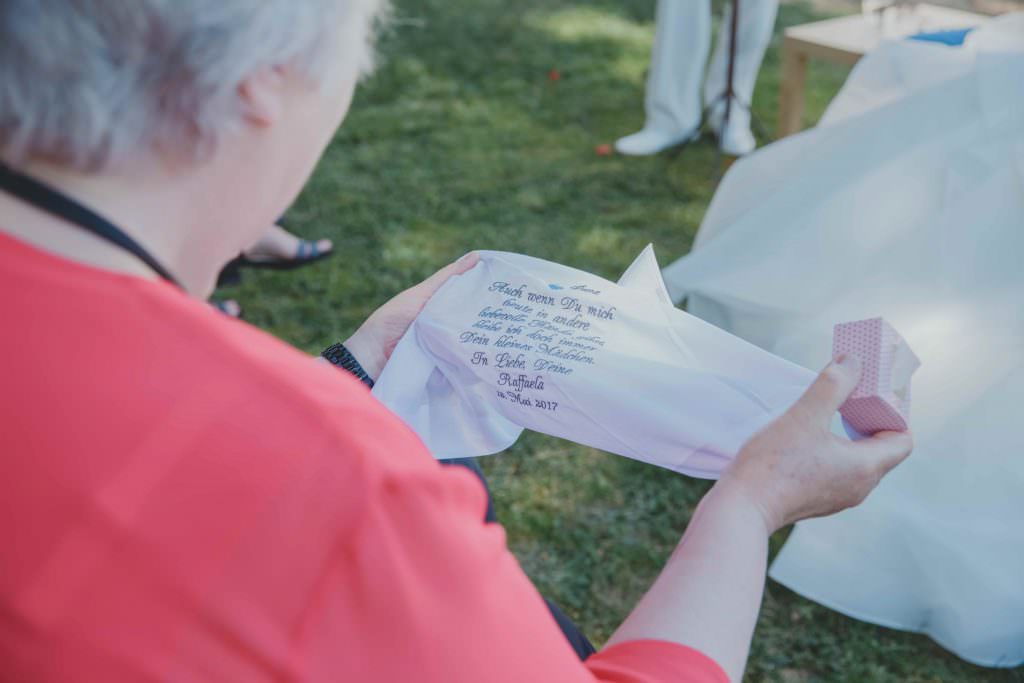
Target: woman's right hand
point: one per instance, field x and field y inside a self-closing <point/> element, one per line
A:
<point x="796" y="468"/>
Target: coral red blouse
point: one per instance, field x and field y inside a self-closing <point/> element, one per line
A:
<point x="185" y="498"/>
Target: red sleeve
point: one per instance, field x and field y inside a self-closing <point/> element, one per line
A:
<point x="424" y="591"/>
<point x="647" y="661"/>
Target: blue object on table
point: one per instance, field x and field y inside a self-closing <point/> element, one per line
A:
<point x="952" y="37"/>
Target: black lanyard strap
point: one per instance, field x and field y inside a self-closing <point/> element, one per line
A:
<point x="48" y="199"/>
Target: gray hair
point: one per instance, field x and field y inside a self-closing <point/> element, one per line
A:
<point x="85" y="84"/>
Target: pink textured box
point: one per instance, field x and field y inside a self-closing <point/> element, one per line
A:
<point x="881" y="401"/>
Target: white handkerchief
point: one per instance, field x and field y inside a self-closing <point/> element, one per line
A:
<point x="518" y="342"/>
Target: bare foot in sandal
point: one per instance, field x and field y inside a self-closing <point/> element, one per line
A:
<point x="279" y="249"/>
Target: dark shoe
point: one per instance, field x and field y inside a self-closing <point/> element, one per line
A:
<point x="307" y="253"/>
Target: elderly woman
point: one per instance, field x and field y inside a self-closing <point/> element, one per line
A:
<point x="149" y="533"/>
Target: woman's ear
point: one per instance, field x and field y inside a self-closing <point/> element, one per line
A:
<point x="262" y="95"/>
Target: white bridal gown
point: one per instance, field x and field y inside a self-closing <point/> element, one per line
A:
<point x="907" y="201"/>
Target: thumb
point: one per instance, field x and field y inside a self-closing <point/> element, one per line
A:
<point x="434" y="282"/>
<point x="833" y="386"/>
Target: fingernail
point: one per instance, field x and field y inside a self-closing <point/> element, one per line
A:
<point x="848" y="361"/>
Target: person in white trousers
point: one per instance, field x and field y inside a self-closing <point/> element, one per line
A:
<point x="673" y="101"/>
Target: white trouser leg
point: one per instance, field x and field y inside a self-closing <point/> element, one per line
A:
<point x="753" y="33"/>
<point x="672" y="103"/>
<point x="680" y="52"/>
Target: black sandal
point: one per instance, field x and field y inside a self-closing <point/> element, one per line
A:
<point x="307" y="253"/>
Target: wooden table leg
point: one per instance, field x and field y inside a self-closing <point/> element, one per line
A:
<point x="791" y="95"/>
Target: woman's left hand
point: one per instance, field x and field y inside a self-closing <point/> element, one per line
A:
<point x="376" y="338"/>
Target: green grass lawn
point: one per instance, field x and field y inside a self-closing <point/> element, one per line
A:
<point x="462" y="141"/>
